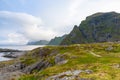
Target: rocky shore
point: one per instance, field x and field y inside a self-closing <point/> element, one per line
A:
<point x="11" y="53"/>
<point x="12" y="69"/>
<point x="9" y="50"/>
<point x="14" y="54"/>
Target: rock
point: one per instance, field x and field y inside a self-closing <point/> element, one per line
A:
<point x="9" y="50"/>
<point x="14" y="54"/>
<point x="116" y="66"/>
<point x="62" y="62"/>
<point x="10" y="75"/>
<point x="70" y="75"/>
<point x="37" y="66"/>
<point x="12" y="68"/>
<point x="54" y="52"/>
<point x="44" y="52"/>
<point x="77" y="72"/>
<point x="88" y="71"/>
<point x="59" y="59"/>
<point x="109" y="48"/>
<point x="41" y="52"/>
<point x="11" y="72"/>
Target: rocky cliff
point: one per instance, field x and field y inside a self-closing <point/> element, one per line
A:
<point x="99" y="27"/>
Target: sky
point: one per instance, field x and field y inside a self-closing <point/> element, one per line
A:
<point x="22" y="21"/>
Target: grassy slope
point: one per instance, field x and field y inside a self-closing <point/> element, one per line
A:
<point x="79" y="57"/>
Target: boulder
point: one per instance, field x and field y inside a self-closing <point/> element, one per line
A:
<point x="70" y="75"/>
<point x="59" y="59"/>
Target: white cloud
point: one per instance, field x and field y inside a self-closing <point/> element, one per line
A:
<point x="80" y="9"/>
<point x="58" y="21"/>
<point x="27" y="27"/>
<point x="16" y="38"/>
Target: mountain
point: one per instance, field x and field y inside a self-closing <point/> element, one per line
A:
<point x="41" y="42"/>
<point x="99" y="27"/>
<point x="56" y="40"/>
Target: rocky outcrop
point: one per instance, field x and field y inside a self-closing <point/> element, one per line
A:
<point x="9" y="50"/>
<point x="11" y="72"/>
<point x="37" y="66"/>
<point x="10" y="75"/>
<point x="11" y="68"/>
<point x="59" y="59"/>
<point x="14" y="54"/>
<point x="99" y="27"/>
<point x="70" y="75"/>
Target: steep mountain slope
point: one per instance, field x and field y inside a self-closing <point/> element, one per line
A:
<point x="99" y="27"/>
<point x="56" y="40"/>
<point x="41" y="42"/>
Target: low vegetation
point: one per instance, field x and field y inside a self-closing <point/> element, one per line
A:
<point x="79" y="57"/>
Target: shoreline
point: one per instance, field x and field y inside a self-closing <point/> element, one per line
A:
<point x="10" y="54"/>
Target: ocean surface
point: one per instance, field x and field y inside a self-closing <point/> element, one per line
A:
<point x="21" y="47"/>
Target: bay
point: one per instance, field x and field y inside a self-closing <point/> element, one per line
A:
<point x="16" y="47"/>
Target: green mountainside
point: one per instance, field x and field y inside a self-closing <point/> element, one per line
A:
<point x="99" y="27"/>
<point x="56" y="40"/>
<point x="41" y="42"/>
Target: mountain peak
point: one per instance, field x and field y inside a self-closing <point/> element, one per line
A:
<point x="99" y="27"/>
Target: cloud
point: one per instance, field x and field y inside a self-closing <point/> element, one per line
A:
<point x="78" y="10"/>
<point x="14" y="38"/>
<point x="58" y="19"/>
<point x="25" y="27"/>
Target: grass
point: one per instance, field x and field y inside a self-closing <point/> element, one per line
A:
<point x="79" y="58"/>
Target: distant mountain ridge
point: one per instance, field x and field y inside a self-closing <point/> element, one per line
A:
<point x="56" y="40"/>
<point x="99" y="27"/>
<point x="41" y="42"/>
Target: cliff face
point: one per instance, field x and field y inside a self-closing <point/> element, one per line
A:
<point x="99" y="27"/>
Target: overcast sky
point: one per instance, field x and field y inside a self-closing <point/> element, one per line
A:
<point x="31" y="20"/>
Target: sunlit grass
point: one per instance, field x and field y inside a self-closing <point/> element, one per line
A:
<point x="79" y="58"/>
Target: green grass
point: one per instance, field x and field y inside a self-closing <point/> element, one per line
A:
<point x="79" y="57"/>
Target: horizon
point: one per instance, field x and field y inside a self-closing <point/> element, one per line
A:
<point x="22" y="21"/>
